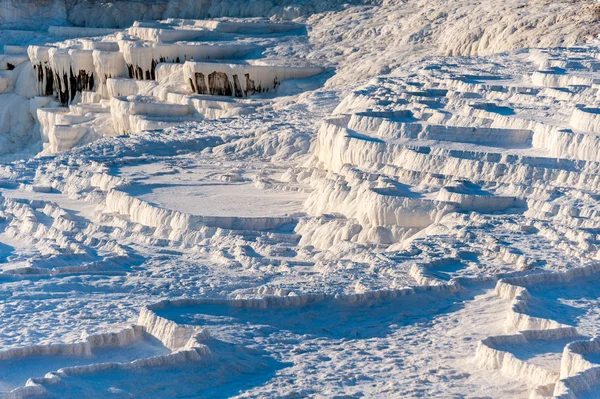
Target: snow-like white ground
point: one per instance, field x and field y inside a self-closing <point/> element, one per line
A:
<point x="187" y="184"/>
<point x="362" y="200"/>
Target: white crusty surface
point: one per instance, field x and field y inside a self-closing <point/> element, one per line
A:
<point x="303" y="199"/>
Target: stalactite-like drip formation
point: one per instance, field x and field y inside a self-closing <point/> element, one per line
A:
<point x="62" y="72"/>
<point x="42" y="70"/>
<point x="73" y="72"/>
<point x="142" y="57"/>
<point x="224" y="79"/>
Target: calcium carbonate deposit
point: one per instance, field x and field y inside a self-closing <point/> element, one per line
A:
<point x="299" y="198"/>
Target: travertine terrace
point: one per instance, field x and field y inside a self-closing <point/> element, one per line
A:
<point x="299" y="199"/>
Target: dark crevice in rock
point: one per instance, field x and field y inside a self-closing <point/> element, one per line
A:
<point x="219" y="85"/>
<point x="45" y="78"/>
<point x="200" y="84"/>
<point x="68" y="85"/>
<point x="237" y="87"/>
<point x="250" y="88"/>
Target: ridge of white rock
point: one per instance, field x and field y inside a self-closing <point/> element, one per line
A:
<point x="91" y="343"/>
<point x="142" y="58"/>
<point x="575" y="375"/>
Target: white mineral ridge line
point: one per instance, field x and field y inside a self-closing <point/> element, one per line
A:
<point x="576" y="374"/>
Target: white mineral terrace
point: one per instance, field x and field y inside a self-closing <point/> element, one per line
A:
<point x="168" y="85"/>
<point x="285" y="198"/>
